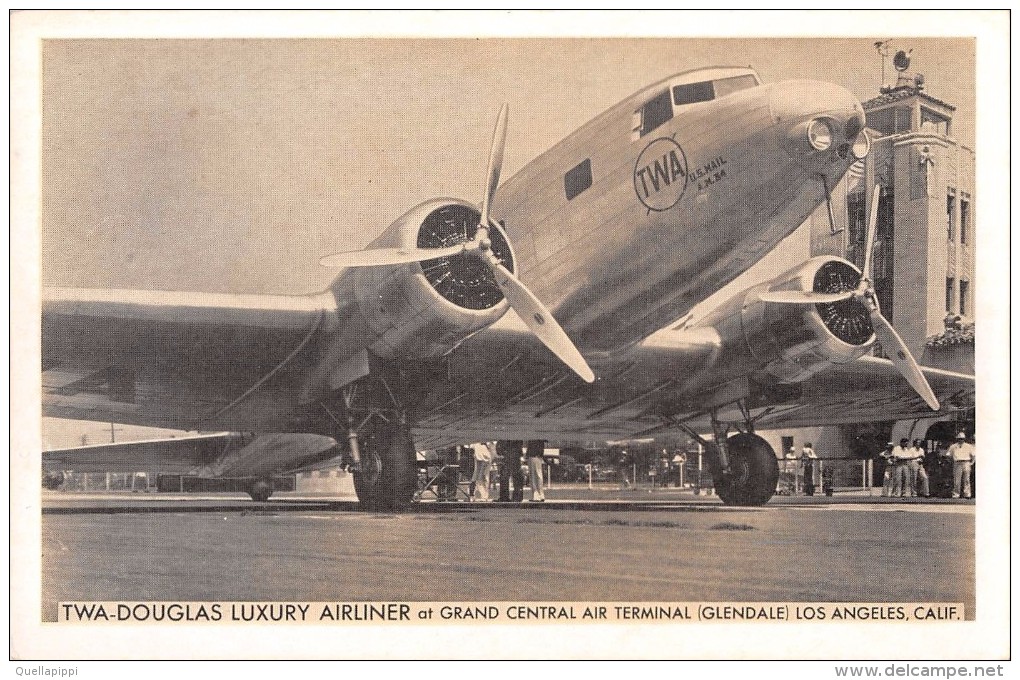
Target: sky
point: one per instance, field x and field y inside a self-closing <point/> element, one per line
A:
<point x="232" y="165"/>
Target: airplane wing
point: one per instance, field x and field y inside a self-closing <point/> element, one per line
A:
<point x="868" y="390"/>
<point x="190" y="361"/>
<point x="172" y="359"/>
<point x="502" y="383"/>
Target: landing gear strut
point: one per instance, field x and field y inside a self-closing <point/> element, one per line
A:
<point x="379" y="450"/>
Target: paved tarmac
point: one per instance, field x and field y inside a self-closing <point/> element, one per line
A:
<point x="581" y="545"/>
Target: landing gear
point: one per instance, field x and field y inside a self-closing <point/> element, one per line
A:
<point x="379" y="449"/>
<point x="386" y="476"/>
<point x="261" y="490"/>
<point x="752" y="473"/>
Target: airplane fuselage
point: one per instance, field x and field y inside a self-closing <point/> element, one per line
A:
<point x="674" y="212"/>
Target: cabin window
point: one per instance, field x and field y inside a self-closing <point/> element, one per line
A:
<point x="693" y="93"/>
<point x="577" y="179"/>
<point x="656" y="112"/>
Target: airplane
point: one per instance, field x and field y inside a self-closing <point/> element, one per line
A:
<point x="598" y="246"/>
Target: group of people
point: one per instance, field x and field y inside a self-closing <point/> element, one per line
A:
<point x="479" y="459"/>
<point x="808" y="462"/>
<point x="906" y="476"/>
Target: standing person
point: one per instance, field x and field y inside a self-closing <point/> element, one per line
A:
<point x="973" y="472"/>
<point x="807" y="459"/>
<point x="510" y="471"/>
<point x="466" y="465"/>
<point x="790" y="468"/>
<point x="679" y="458"/>
<point x="962" y="455"/>
<point x="887" y="476"/>
<point x="901" y="457"/>
<point x="536" y="458"/>
<point x="664" y="470"/>
<point x="919" y="473"/>
<point x="484" y="454"/>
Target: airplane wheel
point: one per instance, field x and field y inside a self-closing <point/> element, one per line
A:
<point x="261" y="490"/>
<point x="388" y="477"/>
<point x="754" y="472"/>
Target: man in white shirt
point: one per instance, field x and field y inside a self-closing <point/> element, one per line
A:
<point x="901" y="457"/>
<point x="962" y="455"/>
<point x="484" y="453"/>
<point x="887" y="477"/>
<point x="536" y="459"/>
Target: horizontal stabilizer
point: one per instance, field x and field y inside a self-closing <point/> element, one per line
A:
<point x="169" y="456"/>
<point x="219" y="455"/>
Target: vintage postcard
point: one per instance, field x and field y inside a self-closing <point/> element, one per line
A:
<point x="371" y="335"/>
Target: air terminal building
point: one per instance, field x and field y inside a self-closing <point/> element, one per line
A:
<point x="924" y="253"/>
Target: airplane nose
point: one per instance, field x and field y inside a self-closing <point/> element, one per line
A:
<point x="822" y="114"/>
<point x="793" y="100"/>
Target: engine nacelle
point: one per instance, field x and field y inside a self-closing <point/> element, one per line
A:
<point x="789" y="343"/>
<point x="425" y="309"/>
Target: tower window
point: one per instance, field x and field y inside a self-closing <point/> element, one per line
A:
<point x="950" y="284"/>
<point x="964" y="288"/>
<point x="964" y="219"/>
<point x="951" y="217"/>
<point x="903" y="119"/>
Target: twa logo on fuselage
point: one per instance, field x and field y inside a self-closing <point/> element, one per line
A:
<point x="660" y="174"/>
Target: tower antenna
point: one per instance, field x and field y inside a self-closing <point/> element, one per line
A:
<point x="883" y="49"/>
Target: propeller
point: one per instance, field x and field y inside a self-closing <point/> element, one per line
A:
<point x="800" y="297"/>
<point x="536" y="317"/>
<point x="864" y="293"/>
<point x="381" y="257"/>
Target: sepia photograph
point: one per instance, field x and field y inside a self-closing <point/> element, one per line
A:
<point x="329" y="326"/>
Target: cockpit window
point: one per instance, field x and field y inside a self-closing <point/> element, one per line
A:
<point x="693" y="93"/>
<point x="656" y="112"/>
<point x="730" y="85"/>
<point x="711" y="89"/>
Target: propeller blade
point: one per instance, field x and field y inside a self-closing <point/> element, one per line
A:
<point x="541" y="322"/>
<point x="896" y="350"/>
<point x="798" y="297"/>
<point x="869" y="245"/>
<point x="495" y="165"/>
<point x="381" y="257"/>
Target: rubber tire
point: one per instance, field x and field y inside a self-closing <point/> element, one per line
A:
<point x="754" y="472"/>
<point x="261" y="490"/>
<point x="388" y="477"/>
